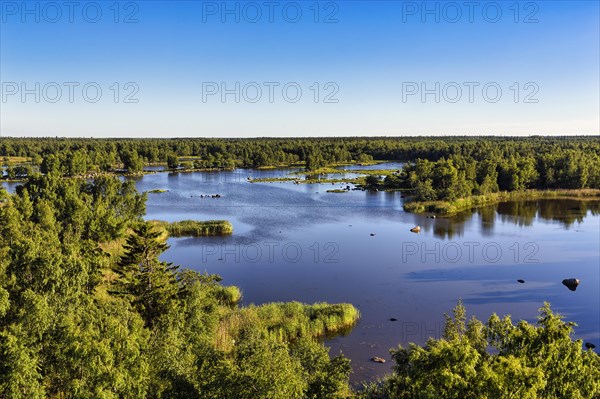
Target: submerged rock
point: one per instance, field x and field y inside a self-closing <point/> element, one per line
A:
<point x="378" y="359"/>
<point x="571" y="283"/>
<point x="416" y="229"/>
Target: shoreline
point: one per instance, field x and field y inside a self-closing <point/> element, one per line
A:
<point x="451" y="208"/>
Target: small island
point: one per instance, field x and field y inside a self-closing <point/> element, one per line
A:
<point x="194" y="228"/>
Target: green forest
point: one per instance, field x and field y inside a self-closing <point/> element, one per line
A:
<point x="87" y="309"/>
<point x="437" y="169"/>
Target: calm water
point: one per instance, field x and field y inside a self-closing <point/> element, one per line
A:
<point x="11" y="186"/>
<point x="297" y="242"/>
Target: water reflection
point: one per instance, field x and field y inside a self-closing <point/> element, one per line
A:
<point x="565" y="212"/>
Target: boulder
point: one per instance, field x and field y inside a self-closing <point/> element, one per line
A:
<point x="571" y="283"/>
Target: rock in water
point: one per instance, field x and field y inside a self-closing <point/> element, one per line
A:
<point x="521" y="281"/>
<point x="377" y="359"/>
<point x="589" y="345"/>
<point x="571" y="283"/>
<point x="393" y="319"/>
<point x="372" y="234"/>
<point x="416" y="229"/>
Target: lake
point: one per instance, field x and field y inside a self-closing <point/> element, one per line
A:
<point x="296" y="242"/>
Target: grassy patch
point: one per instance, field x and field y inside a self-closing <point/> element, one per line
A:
<point x="273" y="179"/>
<point x="310" y="180"/>
<point x="193" y="228"/>
<point x="448" y="208"/>
<point x="285" y="321"/>
<point x="328" y="170"/>
<point x="8" y="161"/>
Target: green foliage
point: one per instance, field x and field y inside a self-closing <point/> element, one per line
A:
<point x="131" y="160"/>
<point x="149" y="284"/>
<point x="78" y="323"/>
<point x="460" y="204"/>
<point x="372" y="181"/>
<point x="315" y="161"/>
<point x="526" y="361"/>
<point x="194" y="228"/>
<point x="461" y="165"/>
<point x="172" y="161"/>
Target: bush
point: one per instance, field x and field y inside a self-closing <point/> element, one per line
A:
<point x="526" y="361"/>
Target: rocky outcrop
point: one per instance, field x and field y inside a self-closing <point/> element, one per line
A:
<point x="571" y="283"/>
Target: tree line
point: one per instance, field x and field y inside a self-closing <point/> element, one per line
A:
<point x="566" y="162"/>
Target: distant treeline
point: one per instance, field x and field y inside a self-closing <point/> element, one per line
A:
<point x="440" y="168"/>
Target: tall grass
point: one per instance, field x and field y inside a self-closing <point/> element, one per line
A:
<point x="193" y="228"/>
<point x="286" y="321"/>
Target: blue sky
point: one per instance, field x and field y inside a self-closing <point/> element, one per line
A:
<point x="330" y="68"/>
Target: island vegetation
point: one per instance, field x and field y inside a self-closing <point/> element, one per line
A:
<point x="443" y="175"/>
<point x="194" y="228"/>
<point x="452" y="207"/>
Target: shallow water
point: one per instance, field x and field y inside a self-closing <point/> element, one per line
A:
<point x="297" y="242"/>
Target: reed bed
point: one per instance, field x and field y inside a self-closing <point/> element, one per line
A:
<point x="194" y="228"/>
<point x="286" y="322"/>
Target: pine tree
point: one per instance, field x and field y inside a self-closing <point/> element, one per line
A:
<point x="149" y="284"/>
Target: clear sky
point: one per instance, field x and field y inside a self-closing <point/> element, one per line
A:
<point x="296" y="68"/>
